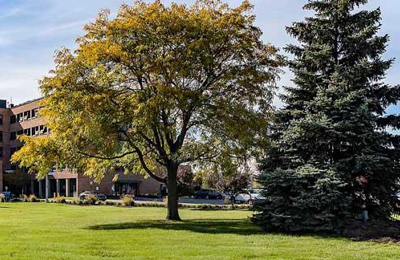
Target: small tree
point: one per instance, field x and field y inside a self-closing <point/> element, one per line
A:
<point x="186" y="181"/>
<point x="229" y="173"/>
<point x="158" y="87"/>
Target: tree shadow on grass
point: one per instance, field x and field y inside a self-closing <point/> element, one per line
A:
<point x="206" y="226"/>
<point x="242" y="227"/>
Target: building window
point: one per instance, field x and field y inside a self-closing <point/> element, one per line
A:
<point x="1" y="152"/>
<point x="27" y="115"/>
<point x="27" y="132"/>
<point x="13" y="136"/>
<point x="1" y="119"/>
<point x="13" y="119"/>
<point x="35" y="131"/>
<point x="43" y="130"/>
<point x="1" y="136"/>
<point x="35" y="112"/>
<point x="12" y="151"/>
<point x="20" y="117"/>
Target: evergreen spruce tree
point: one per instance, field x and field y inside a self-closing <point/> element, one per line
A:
<point x="333" y="156"/>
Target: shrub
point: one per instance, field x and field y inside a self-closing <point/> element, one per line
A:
<point x="32" y="198"/>
<point x="110" y="203"/>
<point x="151" y="204"/>
<point x="128" y="201"/>
<point x="24" y="198"/>
<point x="91" y="200"/>
<point x="59" y="199"/>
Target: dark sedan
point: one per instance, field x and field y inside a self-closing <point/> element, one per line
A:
<point x="207" y="194"/>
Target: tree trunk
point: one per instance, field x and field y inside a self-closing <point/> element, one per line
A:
<point x="173" y="205"/>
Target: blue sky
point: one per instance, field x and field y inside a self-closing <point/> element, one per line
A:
<point x="31" y="30"/>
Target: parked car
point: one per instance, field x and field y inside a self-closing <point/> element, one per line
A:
<point x="101" y="196"/>
<point x="242" y="198"/>
<point x="207" y="194"/>
<point x="249" y="197"/>
<point x="86" y="194"/>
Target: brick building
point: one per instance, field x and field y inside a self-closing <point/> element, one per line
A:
<point x="25" y="119"/>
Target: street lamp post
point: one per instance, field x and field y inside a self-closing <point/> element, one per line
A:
<point x="48" y="184"/>
<point x="47" y="188"/>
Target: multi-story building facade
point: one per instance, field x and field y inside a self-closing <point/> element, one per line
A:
<point x="25" y="119"/>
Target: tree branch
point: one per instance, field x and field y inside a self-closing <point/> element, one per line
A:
<point x="148" y="171"/>
<point x="105" y="157"/>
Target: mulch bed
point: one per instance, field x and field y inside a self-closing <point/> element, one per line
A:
<point x="376" y="231"/>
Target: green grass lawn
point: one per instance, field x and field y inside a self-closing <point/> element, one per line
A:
<point x="56" y="231"/>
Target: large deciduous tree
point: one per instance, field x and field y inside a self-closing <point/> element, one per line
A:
<point x="155" y="88"/>
<point x="334" y="155"/>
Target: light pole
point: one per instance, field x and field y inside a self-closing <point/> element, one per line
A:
<point x="47" y="188"/>
<point x="48" y="184"/>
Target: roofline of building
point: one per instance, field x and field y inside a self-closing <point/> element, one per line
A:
<point x="28" y="102"/>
